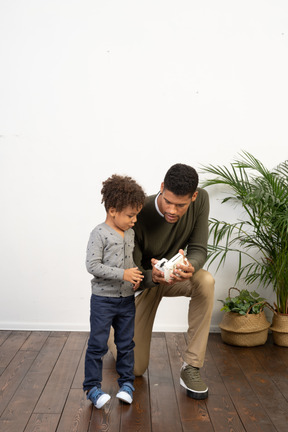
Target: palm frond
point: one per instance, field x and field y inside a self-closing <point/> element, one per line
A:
<point x="262" y="235"/>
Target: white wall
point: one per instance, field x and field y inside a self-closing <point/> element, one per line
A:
<point x="89" y="88"/>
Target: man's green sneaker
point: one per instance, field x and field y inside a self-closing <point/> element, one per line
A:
<point x="191" y="380"/>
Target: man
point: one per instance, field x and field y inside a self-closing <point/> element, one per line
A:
<point x="176" y="219"/>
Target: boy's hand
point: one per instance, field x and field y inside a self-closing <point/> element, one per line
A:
<point x="136" y="286"/>
<point x="133" y="275"/>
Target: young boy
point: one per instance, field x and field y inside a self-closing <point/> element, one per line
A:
<point x="110" y="261"/>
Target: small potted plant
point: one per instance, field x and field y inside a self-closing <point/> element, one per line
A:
<point x="244" y="322"/>
<point x="261" y="235"/>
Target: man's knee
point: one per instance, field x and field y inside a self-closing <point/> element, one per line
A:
<point x="208" y="280"/>
<point x="205" y="284"/>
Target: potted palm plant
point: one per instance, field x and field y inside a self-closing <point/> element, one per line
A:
<point x="261" y="235"/>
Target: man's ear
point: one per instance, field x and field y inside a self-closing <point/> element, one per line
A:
<point x="194" y="196"/>
<point x="162" y="187"/>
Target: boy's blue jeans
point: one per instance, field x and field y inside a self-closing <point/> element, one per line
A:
<point x="118" y="312"/>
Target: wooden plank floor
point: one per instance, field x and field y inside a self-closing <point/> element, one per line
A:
<point x="41" y="376"/>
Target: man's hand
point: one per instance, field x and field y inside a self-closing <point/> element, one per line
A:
<point x="157" y="275"/>
<point x="180" y="274"/>
<point x="182" y="271"/>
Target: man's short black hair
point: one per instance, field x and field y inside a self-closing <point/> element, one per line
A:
<point x="181" y="179"/>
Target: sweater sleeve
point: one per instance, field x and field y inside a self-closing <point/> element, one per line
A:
<point x="197" y="243"/>
<point x="147" y="281"/>
<point x="94" y="259"/>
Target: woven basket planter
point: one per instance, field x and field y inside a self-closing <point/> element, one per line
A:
<point x="280" y="329"/>
<point x="244" y="330"/>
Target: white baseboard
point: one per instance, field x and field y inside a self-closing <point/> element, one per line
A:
<point x="26" y="326"/>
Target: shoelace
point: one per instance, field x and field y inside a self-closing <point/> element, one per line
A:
<point x="193" y="373"/>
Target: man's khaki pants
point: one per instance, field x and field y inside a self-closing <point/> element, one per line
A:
<point x="200" y="288"/>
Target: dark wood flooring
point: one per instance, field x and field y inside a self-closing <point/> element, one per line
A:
<point x="41" y="376"/>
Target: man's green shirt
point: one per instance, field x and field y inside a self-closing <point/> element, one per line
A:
<point x="156" y="238"/>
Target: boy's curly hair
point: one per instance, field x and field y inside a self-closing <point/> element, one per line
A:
<point x="181" y="179"/>
<point x="120" y="192"/>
